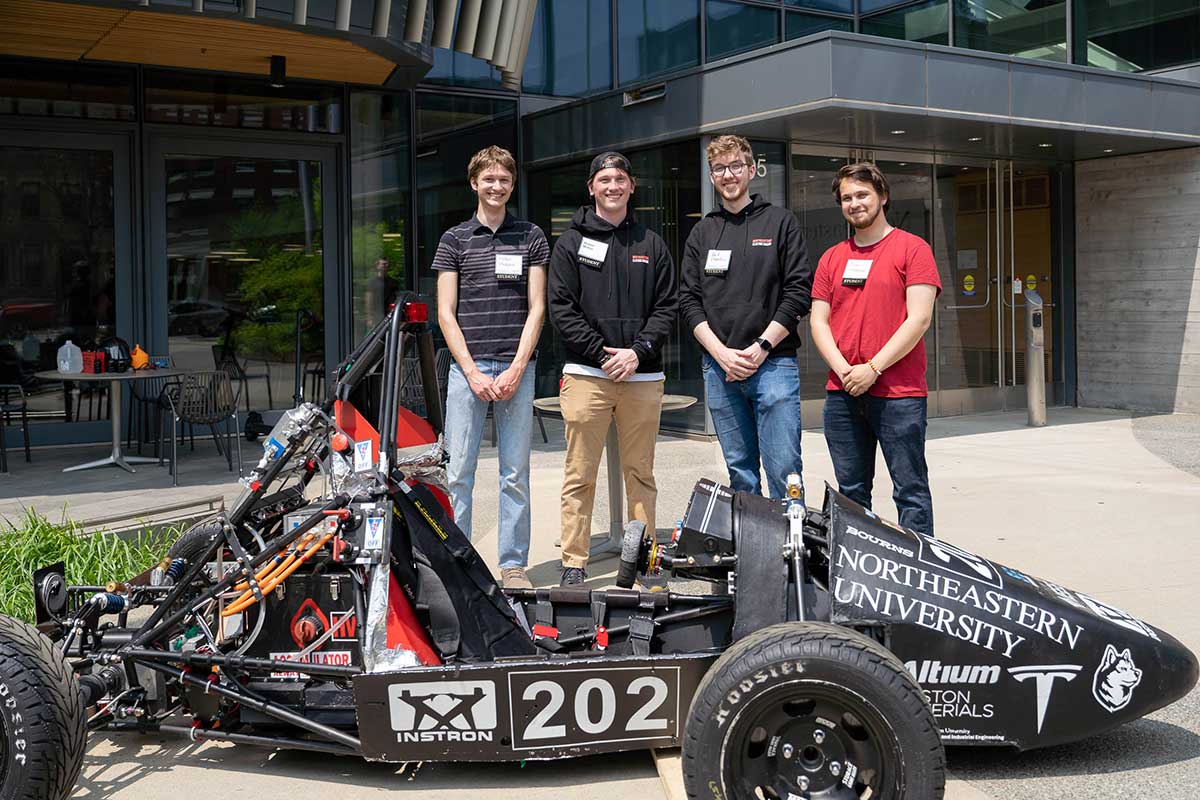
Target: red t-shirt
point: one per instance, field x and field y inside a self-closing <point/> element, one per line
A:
<point x="864" y="317"/>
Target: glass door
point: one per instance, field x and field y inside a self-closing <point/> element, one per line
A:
<point x="993" y="244"/>
<point x="65" y="269"/>
<point x="968" y="250"/>
<point x="245" y="264"/>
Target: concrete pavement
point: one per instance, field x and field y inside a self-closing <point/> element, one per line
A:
<point x="1091" y="501"/>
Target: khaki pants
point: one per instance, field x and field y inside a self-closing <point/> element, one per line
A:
<point x="588" y="407"/>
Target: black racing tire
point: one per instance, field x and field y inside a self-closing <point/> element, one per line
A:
<point x="43" y="730"/>
<point x="798" y="709"/>
<point x="195" y="541"/>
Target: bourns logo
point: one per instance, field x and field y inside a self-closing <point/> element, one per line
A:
<point x="761" y="242"/>
<point x="640" y="259"/>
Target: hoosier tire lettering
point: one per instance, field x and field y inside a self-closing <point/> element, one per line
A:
<point x="746" y="686"/>
<point x="41" y="716"/>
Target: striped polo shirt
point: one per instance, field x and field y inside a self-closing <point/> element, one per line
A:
<point x="492" y="310"/>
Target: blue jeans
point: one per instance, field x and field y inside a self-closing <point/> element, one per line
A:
<point x="465" y="418"/>
<point x="853" y="425"/>
<point x="758" y="418"/>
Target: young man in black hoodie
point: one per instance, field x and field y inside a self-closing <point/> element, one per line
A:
<point x="746" y="283"/>
<point x="612" y="301"/>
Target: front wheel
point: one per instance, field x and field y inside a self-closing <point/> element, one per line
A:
<point x="42" y="725"/>
<point x="811" y="710"/>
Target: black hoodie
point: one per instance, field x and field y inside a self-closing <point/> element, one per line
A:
<point x="769" y="277"/>
<point x="627" y="299"/>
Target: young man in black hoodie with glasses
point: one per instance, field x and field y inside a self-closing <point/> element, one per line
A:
<point x="612" y="301"/>
<point x="746" y="283"/>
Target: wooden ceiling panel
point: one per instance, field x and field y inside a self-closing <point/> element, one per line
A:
<point x="41" y="29"/>
<point x="229" y="45"/>
<point x="53" y="30"/>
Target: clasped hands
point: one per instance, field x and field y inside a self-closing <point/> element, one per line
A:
<point x="502" y="387"/>
<point x="858" y="378"/>
<point x="738" y="365"/>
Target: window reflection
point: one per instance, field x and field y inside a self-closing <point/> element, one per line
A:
<point x="1129" y="37"/>
<point x="570" y="51"/>
<point x="655" y="37"/>
<point x="222" y="101"/>
<point x="1027" y="28"/>
<point x="244" y="267"/>
<point x="735" y="28"/>
<point x="926" y="22"/>
<point x="57" y="265"/>
<point x="798" y="24"/>
<point x="380" y="183"/>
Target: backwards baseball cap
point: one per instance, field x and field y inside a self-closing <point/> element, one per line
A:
<point x="610" y="160"/>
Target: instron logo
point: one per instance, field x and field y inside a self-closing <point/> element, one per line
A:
<point x="444" y="711"/>
<point x="1044" y="677"/>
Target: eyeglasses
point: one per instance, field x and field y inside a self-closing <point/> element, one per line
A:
<point x="735" y="169"/>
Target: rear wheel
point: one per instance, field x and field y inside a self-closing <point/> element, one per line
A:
<point x="811" y="710"/>
<point x="42" y="724"/>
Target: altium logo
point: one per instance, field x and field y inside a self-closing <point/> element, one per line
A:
<point x="932" y="673"/>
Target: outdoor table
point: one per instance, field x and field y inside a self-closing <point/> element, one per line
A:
<point x="616" y="513"/>
<point x="116" y="458"/>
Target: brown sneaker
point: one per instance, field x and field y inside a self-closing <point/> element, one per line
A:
<point x="515" y="578"/>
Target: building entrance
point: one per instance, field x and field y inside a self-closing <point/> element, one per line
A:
<point x="989" y="224"/>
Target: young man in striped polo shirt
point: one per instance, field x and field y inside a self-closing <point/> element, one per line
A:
<point x="491" y="303"/>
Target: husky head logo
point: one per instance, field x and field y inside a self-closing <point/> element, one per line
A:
<point x="1115" y="680"/>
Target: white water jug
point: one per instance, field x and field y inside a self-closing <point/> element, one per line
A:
<point x="70" y="359"/>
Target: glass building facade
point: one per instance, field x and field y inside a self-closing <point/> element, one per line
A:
<point x="197" y="212"/>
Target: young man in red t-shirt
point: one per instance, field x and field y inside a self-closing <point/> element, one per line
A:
<point x="873" y="298"/>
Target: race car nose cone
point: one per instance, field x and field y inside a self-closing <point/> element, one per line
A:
<point x="1168" y="675"/>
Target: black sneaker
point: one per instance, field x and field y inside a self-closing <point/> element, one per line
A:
<point x="572" y="576"/>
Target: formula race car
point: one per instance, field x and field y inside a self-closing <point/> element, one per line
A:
<point x="337" y="608"/>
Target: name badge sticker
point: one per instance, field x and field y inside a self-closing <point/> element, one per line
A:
<point x="717" y="262"/>
<point x="508" y="266"/>
<point x="856" y="271"/>
<point x="592" y="251"/>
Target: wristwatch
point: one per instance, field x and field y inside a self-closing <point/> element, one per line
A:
<point x="764" y="344"/>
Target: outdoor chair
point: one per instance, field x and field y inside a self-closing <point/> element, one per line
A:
<point x="147" y="404"/>
<point x="227" y="361"/>
<point x="202" y="398"/>
<point x="314" y="378"/>
<point x="10" y="405"/>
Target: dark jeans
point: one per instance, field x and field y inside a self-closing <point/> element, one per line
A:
<point x="853" y="425"/>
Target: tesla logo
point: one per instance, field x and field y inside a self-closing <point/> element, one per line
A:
<point x="1044" y="677"/>
<point x="445" y="711"/>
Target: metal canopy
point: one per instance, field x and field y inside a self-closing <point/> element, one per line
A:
<point x="851" y="90"/>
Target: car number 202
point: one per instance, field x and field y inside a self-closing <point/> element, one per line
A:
<point x="591" y="706"/>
